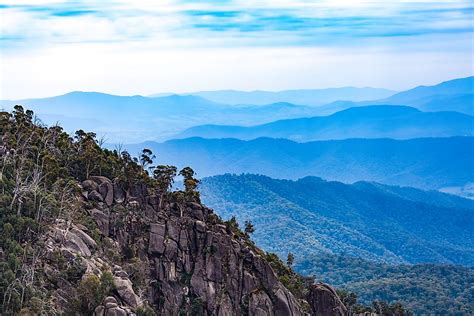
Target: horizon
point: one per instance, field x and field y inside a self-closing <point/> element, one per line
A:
<point x="192" y="93"/>
<point x="144" y="48"/>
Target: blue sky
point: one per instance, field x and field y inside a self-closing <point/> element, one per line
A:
<point x="144" y="47"/>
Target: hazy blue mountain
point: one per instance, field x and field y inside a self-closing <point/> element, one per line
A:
<point x="432" y="163"/>
<point x="366" y="220"/>
<point x="450" y="87"/>
<point x="399" y="122"/>
<point x="138" y="118"/>
<point x="454" y="95"/>
<point x="127" y="118"/>
<point x="135" y="118"/>
<point x="88" y="104"/>
<point x="312" y="97"/>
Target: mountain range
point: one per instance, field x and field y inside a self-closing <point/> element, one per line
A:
<point x="453" y="95"/>
<point x="367" y="220"/>
<point x="398" y="122"/>
<point x="430" y="163"/>
<point x="313" y="97"/>
<point x="136" y="118"/>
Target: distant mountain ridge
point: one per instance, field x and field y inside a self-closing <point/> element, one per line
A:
<point x="453" y="95"/>
<point x="313" y="97"/>
<point x="428" y="163"/>
<point x="450" y="87"/>
<point x="398" y="122"/>
<point x="134" y="118"/>
<point x="367" y="220"/>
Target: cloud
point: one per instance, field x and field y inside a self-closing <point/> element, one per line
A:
<point x="280" y="23"/>
<point x="345" y="25"/>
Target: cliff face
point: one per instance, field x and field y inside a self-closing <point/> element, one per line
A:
<point x="172" y="257"/>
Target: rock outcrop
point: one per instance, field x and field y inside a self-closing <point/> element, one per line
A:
<point x="110" y="307"/>
<point x="180" y="258"/>
<point x="324" y="301"/>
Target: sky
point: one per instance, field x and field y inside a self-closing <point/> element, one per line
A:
<point x="145" y="47"/>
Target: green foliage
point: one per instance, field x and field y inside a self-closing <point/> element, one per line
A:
<point x="296" y="283"/>
<point x="232" y="223"/>
<point x="290" y="259"/>
<point x="190" y="183"/>
<point x="249" y="228"/>
<point x="91" y="291"/>
<point x="145" y="311"/>
<point x="349" y="299"/>
<point x="146" y="158"/>
<point x="164" y="175"/>
<point x="40" y="171"/>
<point x="73" y="271"/>
<point x="89" y="295"/>
<point x="136" y="270"/>
<point x="233" y="226"/>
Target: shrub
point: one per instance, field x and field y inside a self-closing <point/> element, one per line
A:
<point x="91" y="291"/>
<point x="145" y="311"/>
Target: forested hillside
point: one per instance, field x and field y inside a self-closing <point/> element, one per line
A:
<point x="370" y="221"/>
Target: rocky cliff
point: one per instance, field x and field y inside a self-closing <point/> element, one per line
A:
<point x="170" y="257"/>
